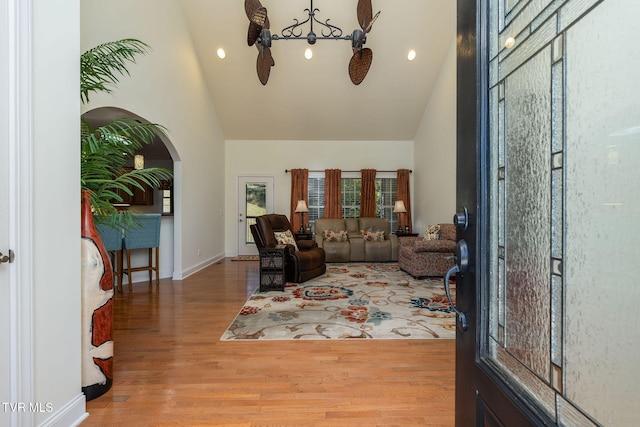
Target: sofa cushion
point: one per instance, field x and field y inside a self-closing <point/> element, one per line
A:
<point x="433" y="246"/>
<point x="447" y="232"/>
<point x="335" y="236"/>
<point x="285" y="238"/>
<point x="372" y="236"/>
<point x="432" y="232"/>
<point x="335" y="224"/>
<point x="352" y="224"/>
<point x="374" y="224"/>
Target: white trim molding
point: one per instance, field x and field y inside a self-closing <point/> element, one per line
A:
<point x="21" y="285"/>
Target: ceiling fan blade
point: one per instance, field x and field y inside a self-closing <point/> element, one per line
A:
<point x="364" y="12"/>
<point x="359" y="65"/>
<point x="263" y="65"/>
<point x="359" y="36"/>
<point x="253" y="33"/>
<point x="370" y="24"/>
<point x="255" y="11"/>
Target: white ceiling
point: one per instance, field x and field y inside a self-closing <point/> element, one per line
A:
<point x="315" y="100"/>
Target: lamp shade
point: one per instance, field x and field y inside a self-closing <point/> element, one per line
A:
<point x="399" y="207"/>
<point x="302" y="206"/>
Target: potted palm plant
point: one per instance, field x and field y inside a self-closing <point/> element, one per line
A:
<point x="105" y="151"/>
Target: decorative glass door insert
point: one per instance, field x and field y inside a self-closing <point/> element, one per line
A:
<point x="255" y="199"/>
<point x="564" y="127"/>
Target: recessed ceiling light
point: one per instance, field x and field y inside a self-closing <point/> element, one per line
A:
<point x="221" y="53"/>
<point x="411" y="55"/>
<point x="308" y="53"/>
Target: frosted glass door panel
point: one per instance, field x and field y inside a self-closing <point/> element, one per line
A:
<point x="602" y="252"/>
<point x="564" y="183"/>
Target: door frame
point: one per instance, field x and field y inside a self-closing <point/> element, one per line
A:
<point x="19" y="195"/>
<point x="244" y="249"/>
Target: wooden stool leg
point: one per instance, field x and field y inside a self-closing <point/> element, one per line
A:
<point x="118" y="270"/>
<point x="129" y="269"/>
<point x="150" y="267"/>
<point x="157" y="266"/>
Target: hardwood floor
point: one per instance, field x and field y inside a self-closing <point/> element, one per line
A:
<point x="171" y="369"/>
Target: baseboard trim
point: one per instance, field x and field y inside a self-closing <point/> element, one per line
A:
<point x="204" y="264"/>
<point x="71" y="414"/>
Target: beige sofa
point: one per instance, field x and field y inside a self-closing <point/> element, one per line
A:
<point x="352" y="245"/>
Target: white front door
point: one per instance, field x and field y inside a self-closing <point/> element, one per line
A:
<point x="255" y="198"/>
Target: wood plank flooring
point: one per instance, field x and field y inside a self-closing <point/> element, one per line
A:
<point x="171" y="369"/>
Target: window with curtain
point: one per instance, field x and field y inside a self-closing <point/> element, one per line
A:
<point x="386" y="196"/>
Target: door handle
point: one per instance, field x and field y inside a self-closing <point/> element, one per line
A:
<point x="7" y="258"/>
<point x="461" y="258"/>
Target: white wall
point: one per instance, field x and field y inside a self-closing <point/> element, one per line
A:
<point x="166" y="87"/>
<point x="273" y="157"/>
<point x="435" y="152"/>
<point x="56" y="214"/>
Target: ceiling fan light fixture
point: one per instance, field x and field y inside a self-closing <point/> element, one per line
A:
<point x="221" y="53"/>
<point x="308" y="53"/>
<point x="259" y="34"/>
<point x="411" y="55"/>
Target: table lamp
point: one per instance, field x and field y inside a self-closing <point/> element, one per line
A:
<point x="301" y="208"/>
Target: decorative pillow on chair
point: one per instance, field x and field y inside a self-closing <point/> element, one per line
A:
<point x="373" y="236"/>
<point x="285" y="238"/>
<point x="335" y="236"/>
<point x="432" y="233"/>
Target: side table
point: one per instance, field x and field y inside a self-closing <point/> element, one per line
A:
<point x="272" y="263"/>
<point x="303" y="236"/>
<point x="406" y="235"/>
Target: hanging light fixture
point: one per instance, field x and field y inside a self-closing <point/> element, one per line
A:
<point x="260" y="34"/>
<point x="138" y="161"/>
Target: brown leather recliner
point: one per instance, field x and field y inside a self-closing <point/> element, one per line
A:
<point x="301" y="265"/>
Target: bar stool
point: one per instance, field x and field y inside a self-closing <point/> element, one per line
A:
<point x="113" y="240"/>
<point x="145" y="234"/>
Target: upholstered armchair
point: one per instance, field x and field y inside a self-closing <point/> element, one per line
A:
<point x="304" y="259"/>
<point x="430" y="257"/>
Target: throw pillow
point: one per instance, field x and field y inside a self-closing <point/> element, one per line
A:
<point x="432" y="233"/>
<point x="285" y="238"/>
<point x="373" y="236"/>
<point x="335" y="236"/>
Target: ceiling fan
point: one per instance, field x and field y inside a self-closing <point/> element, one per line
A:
<point x="259" y="34"/>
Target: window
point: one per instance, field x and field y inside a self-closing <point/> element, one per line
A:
<point x="386" y="195"/>
<point x="351" y="197"/>
<point x="316" y="198"/>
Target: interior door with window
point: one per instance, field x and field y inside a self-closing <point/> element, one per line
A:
<point x="548" y="149"/>
<point x="255" y="198"/>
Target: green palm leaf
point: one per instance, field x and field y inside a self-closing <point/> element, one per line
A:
<point x="106" y="150"/>
<point x="101" y="66"/>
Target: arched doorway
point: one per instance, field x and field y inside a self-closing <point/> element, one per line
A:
<point x="161" y="153"/>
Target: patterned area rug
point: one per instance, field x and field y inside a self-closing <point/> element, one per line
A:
<point x="246" y="258"/>
<point x="350" y="301"/>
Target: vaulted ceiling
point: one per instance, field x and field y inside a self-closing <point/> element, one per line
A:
<point x="315" y="99"/>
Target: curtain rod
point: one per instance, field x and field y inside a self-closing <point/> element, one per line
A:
<point x="288" y="170"/>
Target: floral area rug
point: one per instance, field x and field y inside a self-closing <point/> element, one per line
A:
<point x="350" y="301"/>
